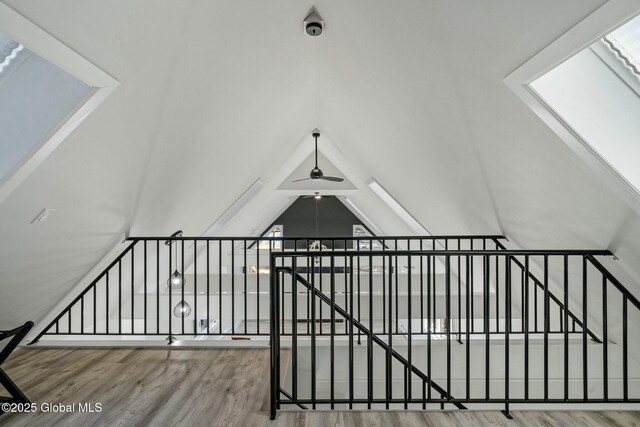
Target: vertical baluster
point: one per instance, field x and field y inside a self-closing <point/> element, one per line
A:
<point x="346" y="289"/>
<point x="313" y="341"/>
<point x="526" y="327"/>
<point x="487" y="296"/>
<point x="309" y="272"/>
<point x="429" y="326"/>
<point x="370" y="338"/>
<point x="183" y="283"/>
<point x="466" y="329"/>
<point x="208" y="288"/>
<point x="351" y="379"/>
<point x="273" y="332"/>
<point x="625" y="349"/>
<point x="435" y="290"/>
<point x="605" y="342"/>
<point x="81" y="314"/>
<point x="459" y="298"/>
<point x="447" y="290"/>
<point x="321" y="306"/>
<point x="522" y="302"/>
<point x="119" y="299"/>
<point x="546" y="328"/>
<point x="294" y="329"/>
<point x="246" y="272"/>
<point x="585" y="365"/>
<point x="566" y="328"/>
<point x="145" y="287"/>
<point x="388" y="376"/>
<point x="535" y="305"/>
<point x="472" y="295"/>
<point x="507" y="330"/>
<point x="195" y="288"/>
<point x="333" y="330"/>
<point x="158" y="287"/>
<point x="257" y="245"/>
<point x="384" y="291"/>
<point x="233" y="289"/>
<point x="271" y="270"/>
<point x="359" y="298"/>
<point x="132" y="287"/>
<point x="410" y="336"/>
<point x="95" y="289"/>
<point x="421" y="290"/>
<point x="106" y="312"/>
<point x="396" y="268"/>
<point x="497" y="292"/>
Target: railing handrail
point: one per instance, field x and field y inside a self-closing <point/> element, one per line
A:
<point x="445" y="252"/>
<point x="84" y="291"/>
<point x="338" y="238"/>
<point x="615" y="281"/>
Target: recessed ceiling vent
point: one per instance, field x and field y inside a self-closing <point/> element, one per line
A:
<point x="313" y="24"/>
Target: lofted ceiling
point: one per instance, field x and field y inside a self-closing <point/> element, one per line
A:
<point x="214" y="95"/>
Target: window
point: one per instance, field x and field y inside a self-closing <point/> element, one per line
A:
<point x="36" y="98"/>
<point x="276" y="231"/>
<point x="596" y="95"/>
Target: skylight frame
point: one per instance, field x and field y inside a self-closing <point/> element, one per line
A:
<point x="23" y="31"/>
<point x="396" y="207"/>
<point x="587" y="32"/>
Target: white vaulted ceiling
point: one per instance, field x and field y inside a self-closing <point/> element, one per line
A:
<point x="213" y="95"/>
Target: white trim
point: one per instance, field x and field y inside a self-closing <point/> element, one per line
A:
<point x="20" y="29"/>
<point x="234" y="209"/>
<point x="584" y="34"/>
<point x="395" y="206"/>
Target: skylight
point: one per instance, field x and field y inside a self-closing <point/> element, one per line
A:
<point x="36" y="98"/>
<point x="595" y="94"/>
<point x="397" y="207"/>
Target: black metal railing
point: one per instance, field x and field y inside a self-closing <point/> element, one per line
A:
<point x="222" y="284"/>
<point x="563" y="338"/>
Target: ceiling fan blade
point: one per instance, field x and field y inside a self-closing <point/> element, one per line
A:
<point x="298" y="180"/>
<point x="332" y="178"/>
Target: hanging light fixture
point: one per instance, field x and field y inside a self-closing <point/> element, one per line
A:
<point x="317" y="245"/>
<point x="176" y="280"/>
<point x="182" y="309"/>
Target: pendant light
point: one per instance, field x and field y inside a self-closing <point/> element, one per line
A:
<point x="182" y="309"/>
<point x="317" y="245"/>
<point x="176" y="280"/>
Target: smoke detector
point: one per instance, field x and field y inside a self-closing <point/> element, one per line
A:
<point x="313" y="24"/>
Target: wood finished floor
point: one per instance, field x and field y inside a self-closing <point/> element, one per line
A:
<point x="221" y="387"/>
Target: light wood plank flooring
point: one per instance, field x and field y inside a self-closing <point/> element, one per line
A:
<point x="221" y="387"/>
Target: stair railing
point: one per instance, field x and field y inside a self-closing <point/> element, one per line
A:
<point x="557" y="363"/>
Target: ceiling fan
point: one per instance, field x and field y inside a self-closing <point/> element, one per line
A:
<point x="316" y="173"/>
